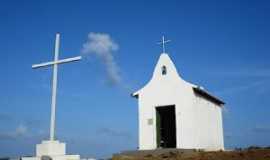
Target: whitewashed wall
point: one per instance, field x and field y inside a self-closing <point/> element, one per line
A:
<point x="198" y="121"/>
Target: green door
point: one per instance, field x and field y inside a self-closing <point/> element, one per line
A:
<point x="158" y="128"/>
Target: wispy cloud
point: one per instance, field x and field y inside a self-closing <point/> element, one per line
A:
<point x="255" y="79"/>
<point x="113" y="133"/>
<point x="241" y="88"/>
<point x="258" y="72"/>
<point x="261" y="129"/>
<point x="228" y="135"/>
<point x="102" y="46"/>
<point x="5" y="117"/>
<point x="20" y="131"/>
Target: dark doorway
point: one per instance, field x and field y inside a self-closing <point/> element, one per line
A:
<point x="166" y="128"/>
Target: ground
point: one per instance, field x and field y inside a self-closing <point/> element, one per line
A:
<point x="246" y="154"/>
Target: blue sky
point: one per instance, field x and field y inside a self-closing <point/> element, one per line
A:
<point x="221" y="45"/>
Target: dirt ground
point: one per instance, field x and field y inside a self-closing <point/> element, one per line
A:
<point x="250" y="154"/>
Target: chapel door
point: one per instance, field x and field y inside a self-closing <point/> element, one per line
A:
<point x="166" y="126"/>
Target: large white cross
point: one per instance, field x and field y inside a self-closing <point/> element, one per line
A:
<point x="54" y="83"/>
<point x="163" y="42"/>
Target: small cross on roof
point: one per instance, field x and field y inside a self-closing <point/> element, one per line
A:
<point x="163" y="42"/>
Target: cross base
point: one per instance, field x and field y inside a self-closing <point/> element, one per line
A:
<point x="52" y="150"/>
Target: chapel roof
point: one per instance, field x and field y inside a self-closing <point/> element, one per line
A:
<point x="205" y="94"/>
<point x="164" y="57"/>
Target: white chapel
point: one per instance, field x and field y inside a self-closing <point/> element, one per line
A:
<point x="174" y="113"/>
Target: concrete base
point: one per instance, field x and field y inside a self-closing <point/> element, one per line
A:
<point x="63" y="157"/>
<point x="52" y="150"/>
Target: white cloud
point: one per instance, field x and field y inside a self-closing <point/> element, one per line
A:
<point x="261" y="129"/>
<point x="20" y="131"/>
<point x="113" y="133"/>
<point x="5" y="117"/>
<point x="241" y="88"/>
<point x="247" y="72"/>
<point x="255" y="79"/>
<point x="102" y="45"/>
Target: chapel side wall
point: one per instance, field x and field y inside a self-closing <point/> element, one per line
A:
<point x="221" y="136"/>
<point x="209" y="125"/>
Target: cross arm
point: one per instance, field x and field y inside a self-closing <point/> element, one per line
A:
<point x="164" y="42"/>
<point x="56" y="62"/>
